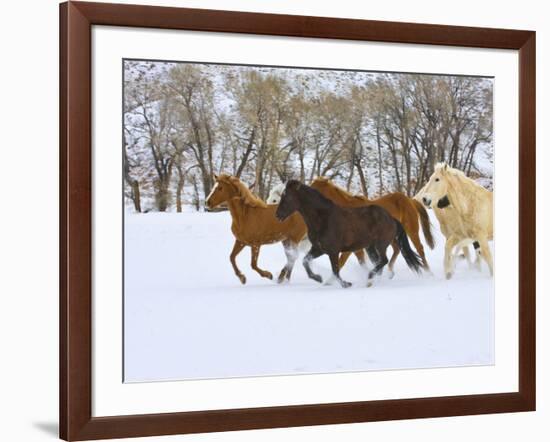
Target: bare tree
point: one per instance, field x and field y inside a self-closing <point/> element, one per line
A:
<point x="372" y="133"/>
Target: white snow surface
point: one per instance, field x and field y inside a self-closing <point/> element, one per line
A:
<point x="187" y="316"/>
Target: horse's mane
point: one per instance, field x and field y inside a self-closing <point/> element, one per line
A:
<point x="457" y="174"/>
<point x="314" y="197"/>
<point x="244" y="192"/>
<point x="339" y="190"/>
<point x="459" y="185"/>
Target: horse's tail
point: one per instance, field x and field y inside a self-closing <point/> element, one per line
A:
<point x="411" y="258"/>
<point x="425" y="222"/>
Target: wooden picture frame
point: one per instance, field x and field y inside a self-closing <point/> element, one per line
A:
<point x="76" y="21"/>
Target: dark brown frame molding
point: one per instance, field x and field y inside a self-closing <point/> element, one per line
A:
<point x="76" y="21"/>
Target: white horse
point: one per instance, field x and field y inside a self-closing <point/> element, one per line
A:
<point x="275" y="194"/>
<point x="464" y="210"/>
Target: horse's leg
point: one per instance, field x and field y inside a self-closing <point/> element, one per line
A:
<point x="284" y="270"/>
<point x="359" y="254"/>
<point x="486" y="253"/>
<point x="336" y="270"/>
<point x="361" y="257"/>
<point x="254" y="263"/>
<point x="477" y="262"/>
<point x="291" y="255"/>
<point x="380" y="263"/>
<point x="448" y="261"/>
<point x="373" y="254"/>
<point x="236" y="250"/>
<point x="313" y="253"/>
<point x="466" y="255"/>
<point x="343" y="258"/>
<point x="394" y="256"/>
<point x="291" y="252"/>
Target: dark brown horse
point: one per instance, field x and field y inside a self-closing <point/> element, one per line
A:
<point x="404" y="209"/>
<point x="333" y="229"/>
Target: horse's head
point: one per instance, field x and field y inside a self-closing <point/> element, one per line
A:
<point x="275" y="194"/>
<point x="289" y="202"/>
<point x="435" y="192"/>
<point x="222" y="191"/>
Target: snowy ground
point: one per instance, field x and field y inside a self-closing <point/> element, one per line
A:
<point x="187" y="316"/>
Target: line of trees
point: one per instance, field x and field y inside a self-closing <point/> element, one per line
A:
<point x="373" y="133"/>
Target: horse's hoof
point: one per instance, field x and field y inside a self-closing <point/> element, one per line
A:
<point x="242" y="279"/>
<point x="391" y="275"/>
<point x="283" y="277"/>
<point x="317" y="278"/>
<point x="267" y="275"/>
<point x="369" y="284"/>
<point x="448" y="275"/>
<point x="346" y="284"/>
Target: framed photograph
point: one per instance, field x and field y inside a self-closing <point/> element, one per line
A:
<point x="273" y="220"/>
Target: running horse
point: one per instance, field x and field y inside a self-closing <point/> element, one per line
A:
<point x="333" y="229"/>
<point x="404" y="209"/>
<point x="254" y="224"/>
<point x="464" y="210"/>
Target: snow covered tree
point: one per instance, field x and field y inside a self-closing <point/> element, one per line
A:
<point x="371" y="132"/>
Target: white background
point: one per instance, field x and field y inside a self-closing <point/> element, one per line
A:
<point x="28" y="239"/>
<point x="111" y="397"/>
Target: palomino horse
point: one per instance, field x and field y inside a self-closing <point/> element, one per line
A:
<point x="333" y="229"/>
<point x="275" y="194"/>
<point x="254" y="224"/>
<point x="404" y="209"/>
<point x="464" y="210"/>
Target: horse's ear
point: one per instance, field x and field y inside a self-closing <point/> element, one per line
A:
<point x="441" y="167"/>
<point x="215" y="177"/>
<point x="294" y="184"/>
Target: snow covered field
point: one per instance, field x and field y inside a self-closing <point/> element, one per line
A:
<point x="187" y="316"/>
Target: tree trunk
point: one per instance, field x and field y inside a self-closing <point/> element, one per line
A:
<point x="379" y="146"/>
<point x="244" y="159"/>
<point x="206" y="179"/>
<point x="163" y="195"/>
<point x="362" y="179"/>
<point x="136" y="195"/>
<point x="352" y="162"/>
<point x="196" y="198"/>
<point x="179" y="191"/>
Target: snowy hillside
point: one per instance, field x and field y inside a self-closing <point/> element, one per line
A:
<point x="372" y="133"/>
<point x="187" y="316"/>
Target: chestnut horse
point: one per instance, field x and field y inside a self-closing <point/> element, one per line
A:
<point x="333" y="229"/>
<point x="404" y="209"/>
<point x="254" y="224"/>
